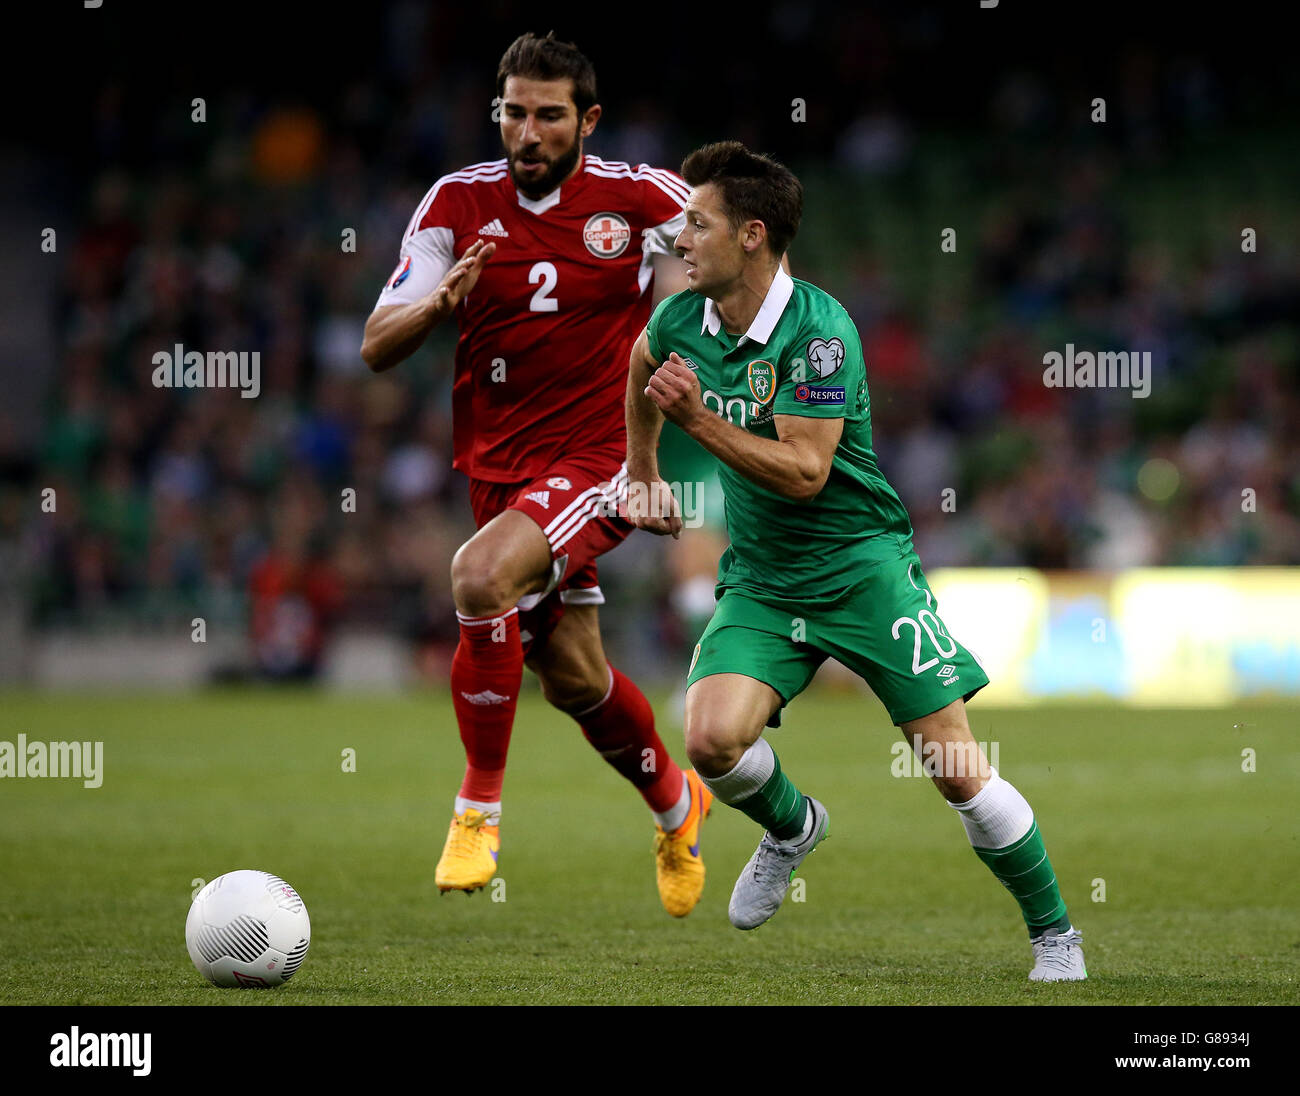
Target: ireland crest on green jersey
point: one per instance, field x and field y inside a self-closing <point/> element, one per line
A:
<point x="762" y="380"/>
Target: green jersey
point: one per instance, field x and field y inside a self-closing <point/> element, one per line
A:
<point x="800" y="356"/>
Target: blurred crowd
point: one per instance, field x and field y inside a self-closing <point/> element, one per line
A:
<point x="1203" y="470"/>
<point x="200" y="500"/>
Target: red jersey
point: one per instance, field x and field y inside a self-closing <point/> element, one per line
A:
<point x="541" y="364"/>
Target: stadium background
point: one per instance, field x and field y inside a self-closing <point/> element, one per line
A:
<point x="226" y="235"/>
<point x="1172" y="825"/>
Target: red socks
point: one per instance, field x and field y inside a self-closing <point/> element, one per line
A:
<point x="622" y="728"/>
<point x="486" y="673"/>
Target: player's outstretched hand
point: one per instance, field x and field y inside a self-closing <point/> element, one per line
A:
<point x="653" y="507"/>
<point x="675" y="389"/>
<point x="461" y="278"/>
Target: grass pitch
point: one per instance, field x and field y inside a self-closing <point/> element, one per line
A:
<point x="1198" y="859"/>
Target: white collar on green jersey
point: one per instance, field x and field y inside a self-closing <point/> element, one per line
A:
<point x="778" y="296"/>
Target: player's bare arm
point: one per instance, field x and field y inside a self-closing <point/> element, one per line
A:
<point x="795" y="465"/>
<point x="651" y="505"/>
<point x="395" y="332"/>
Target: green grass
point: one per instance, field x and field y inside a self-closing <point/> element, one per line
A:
<point x="1199" y="859"/>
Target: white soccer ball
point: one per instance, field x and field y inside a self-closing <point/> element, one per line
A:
<point x="247" y="928"/>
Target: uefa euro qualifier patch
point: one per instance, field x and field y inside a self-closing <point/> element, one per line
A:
<point x="400" y="274"/>
<point x="762" y="380"/>
<point x="805" y="393"/>
<point x="825" y="357"/>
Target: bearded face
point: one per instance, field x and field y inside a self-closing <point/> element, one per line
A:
<point x="542" y="133"/>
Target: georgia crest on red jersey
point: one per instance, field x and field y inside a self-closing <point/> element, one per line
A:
<point x="541" y="362"/>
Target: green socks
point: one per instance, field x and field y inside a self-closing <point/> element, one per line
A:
<point x="1004" y="833"/>
<point x="1024" y="869"/>
<point x="758" y="788"/>
<point x="778" y="806"/>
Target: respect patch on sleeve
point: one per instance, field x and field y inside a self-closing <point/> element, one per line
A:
<point x="806" y="393"/>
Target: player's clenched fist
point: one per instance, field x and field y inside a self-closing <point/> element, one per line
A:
<point x="675" y="390"/>
<point x="652" y="506"/>
<point x="461" y="278"/>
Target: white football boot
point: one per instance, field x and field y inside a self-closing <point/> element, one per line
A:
<point x="761" y="888"/>
<point x="1058" y="957"/>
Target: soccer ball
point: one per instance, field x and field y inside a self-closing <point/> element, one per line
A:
<point x="249" y="929"/>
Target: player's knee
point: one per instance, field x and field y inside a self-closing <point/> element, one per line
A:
<point x="478" y="584"/>
<point x="959" y="789"/>
<point x="571" y="690"/>
<point x="713" y="747"/>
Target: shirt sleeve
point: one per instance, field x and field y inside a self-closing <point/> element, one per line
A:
<point x="423" y="262"/>
<point x="652" y="332"/>
<point x="825" y="376"/>
<point x="665" y="201"/>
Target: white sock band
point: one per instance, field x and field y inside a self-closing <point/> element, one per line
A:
<point x="675" y="815"/>
<point x="752" y="771"/>
<point x="492" y="810"/>
<point x="998" y="816"/>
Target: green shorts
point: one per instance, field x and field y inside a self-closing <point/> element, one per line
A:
<point x="885" y="628"/>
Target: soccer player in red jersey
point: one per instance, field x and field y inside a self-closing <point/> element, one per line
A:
<point x="546" y="259"/>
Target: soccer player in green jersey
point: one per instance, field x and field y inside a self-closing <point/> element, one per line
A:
<point x="765" y="371"/>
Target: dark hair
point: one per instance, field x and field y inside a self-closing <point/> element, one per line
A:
<point x="752" y="186"/>
<point x="549" y="59"/>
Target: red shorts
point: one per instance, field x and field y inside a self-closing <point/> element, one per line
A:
<point x="575" y="503"/>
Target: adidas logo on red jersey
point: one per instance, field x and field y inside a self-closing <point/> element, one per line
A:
<point x="493" y="228"/>
<point x="542" y="498"/>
